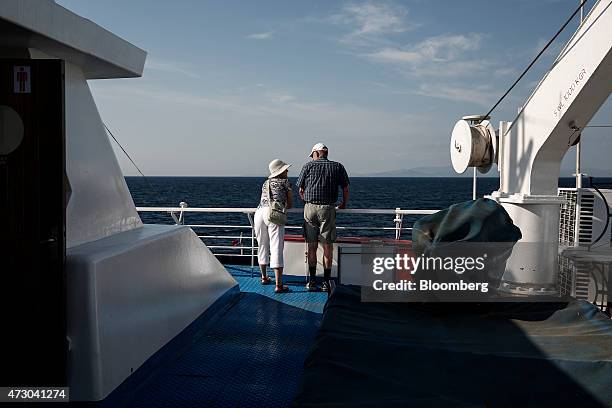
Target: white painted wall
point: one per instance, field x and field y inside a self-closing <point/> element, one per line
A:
<point x="128" y="295"/>
<point x="130" y="287"/>
<point x="100" y="204"/>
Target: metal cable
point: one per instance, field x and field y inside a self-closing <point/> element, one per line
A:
<point x="130" y="158"/>
<point x="536" y="58"/>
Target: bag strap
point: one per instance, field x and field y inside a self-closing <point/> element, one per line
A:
<point x="270" y="198"/>
<point x="269" y="193"/>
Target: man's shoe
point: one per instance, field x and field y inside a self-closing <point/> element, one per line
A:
<point x="311" y="286"/>
<point x="325" y="287"/>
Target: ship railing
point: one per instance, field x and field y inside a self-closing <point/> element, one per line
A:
<point x="243" y="244"/>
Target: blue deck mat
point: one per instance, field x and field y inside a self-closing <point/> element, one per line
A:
<point x="298" y="295"/>
<point x="251" y="355"/>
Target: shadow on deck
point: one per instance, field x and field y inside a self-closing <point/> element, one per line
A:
<point x="248" y="352"/>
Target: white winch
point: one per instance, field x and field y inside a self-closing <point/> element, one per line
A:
<point x="473" y="144"/>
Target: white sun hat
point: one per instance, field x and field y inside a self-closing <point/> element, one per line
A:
<point x="317" y="147"/>
<point x="277" y="167"/>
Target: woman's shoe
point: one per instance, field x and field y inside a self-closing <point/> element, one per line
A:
<point x="311" y="286"/>
<point x="281" y="289"/>
<point x="265" y="280"/>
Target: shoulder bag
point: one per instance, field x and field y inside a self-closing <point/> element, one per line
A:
<point x="276" y="211"/>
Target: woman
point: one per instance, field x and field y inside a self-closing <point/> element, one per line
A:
<point x="270" y="236"/>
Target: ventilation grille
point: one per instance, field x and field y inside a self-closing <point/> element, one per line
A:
<point x="573" y="278"/>
<point x="566" y="276"/>
<point x="585" y="221"/>
<point x="582" y="202"/>
<point x="585" y="280"/>
<point x="567" y="218"/>
<point x="581" y="280"/>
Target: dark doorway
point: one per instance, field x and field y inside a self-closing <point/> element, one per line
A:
<point x="32" y="223"/>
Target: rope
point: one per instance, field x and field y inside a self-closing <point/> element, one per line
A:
<point x="130" y="158"/>
<point x="536" y="58"/>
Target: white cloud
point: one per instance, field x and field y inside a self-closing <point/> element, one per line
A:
<point x="447" y="47"/>
<point x="395" y="55"/>
<point x="254" y="128"/>
<point x="440" y="56"/>
<point x="443" y="56"/>
<point x="370" y="20"/>
<point x="438" y="61"/>
<point x="443" y="48"/>
<point x="260" y="36"/>
<point x="480" y="95"/>
<point x="270" y="105"/>
<point x="172" y="67"/>
<point x="441" y="62"/>
<point x="373" y="18"/>
<point x="505" y="71"/>
<point x="280" y="97"/>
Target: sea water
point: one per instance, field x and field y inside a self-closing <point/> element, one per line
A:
<point x="366" y="192"/>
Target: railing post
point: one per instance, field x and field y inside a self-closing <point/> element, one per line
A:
<point x="474" y="185"/>
<point x="252" y="242"/>
<point x="399" y="218"/>
<point x="182" y="204"/>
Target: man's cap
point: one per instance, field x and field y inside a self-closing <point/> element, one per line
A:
<point x="317" y="147"/>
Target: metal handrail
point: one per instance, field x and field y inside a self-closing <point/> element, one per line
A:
<point x="292" y="210"/>
<point x="241" y="247"/>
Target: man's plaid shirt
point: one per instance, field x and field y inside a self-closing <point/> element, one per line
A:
<point x="320" y="180"/>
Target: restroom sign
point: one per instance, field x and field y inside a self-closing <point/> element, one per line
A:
<point x="22" y="79"/>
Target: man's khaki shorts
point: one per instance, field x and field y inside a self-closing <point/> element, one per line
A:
<point x="320" y="220"/>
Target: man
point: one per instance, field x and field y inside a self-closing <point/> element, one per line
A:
<point x="318" y="186"/>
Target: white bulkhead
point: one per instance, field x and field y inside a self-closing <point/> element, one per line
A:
<point x="131" y="287"/>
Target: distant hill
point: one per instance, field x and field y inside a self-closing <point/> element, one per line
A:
<point x="567" y="171"/>
<point x="418" y="172"/>
<point x="442" y="171"/>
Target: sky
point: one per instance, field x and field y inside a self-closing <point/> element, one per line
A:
<point x="230" y="85"/>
